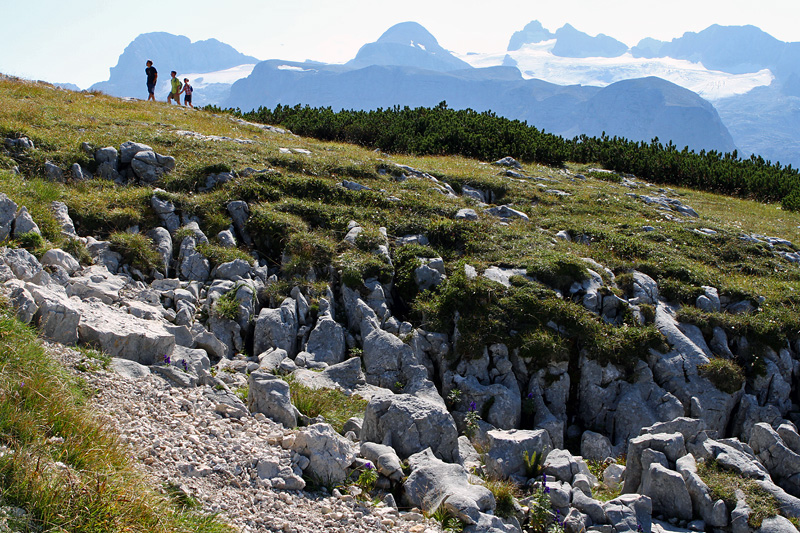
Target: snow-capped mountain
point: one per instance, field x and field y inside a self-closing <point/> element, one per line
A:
<point x="407" y="67"/>
<point x="752" y="78"/>
<point x="540" y="59"/>
<point x="407" y="44"/>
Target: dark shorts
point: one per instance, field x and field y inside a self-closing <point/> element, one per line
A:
<point x="151" y="88"/>
<point x="187" y="99"/>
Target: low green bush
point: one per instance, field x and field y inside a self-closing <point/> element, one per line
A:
<point x="724" y="484"/>
<point x="332" y="404"/>
<point x="724" y="374"/>
<point x="136" y="249"/>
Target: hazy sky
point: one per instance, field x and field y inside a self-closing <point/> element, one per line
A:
<point x="78" y="41"/>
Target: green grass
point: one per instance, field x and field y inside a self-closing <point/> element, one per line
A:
<point x="136" y="249"/>
<point x="299" y="215"/>
<point x="723" y="485"/>
<point x="505" y="493"/>
<point x="333" y="405"/>
<point x="725" y="374"/>
<point x="64" y="467"/>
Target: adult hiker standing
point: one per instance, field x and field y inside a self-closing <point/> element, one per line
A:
<point x="152" y="76"/>
<point x="175" y="89"/>
<point x="187" y="91"/>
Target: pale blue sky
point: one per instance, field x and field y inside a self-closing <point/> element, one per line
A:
<point x="79" y="40"/>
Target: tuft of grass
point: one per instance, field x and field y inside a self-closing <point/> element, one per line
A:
<point x="724" y="374"/>
<point x="64" y="467"/>
<point x="357" y="267"/>
<point x="448" y="522"/>
<point x="136" y="249"/>
<point x="723" y="485"/>
<point x="332" y="404"/>
<point x="505" y="493"/>
<point x="217" y="254"/>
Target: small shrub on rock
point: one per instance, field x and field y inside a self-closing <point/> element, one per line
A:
<point x="136" y="249"/>
<point x="724" y="374"/>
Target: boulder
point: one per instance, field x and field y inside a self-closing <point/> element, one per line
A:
<point x="409" y="425"/>
<point x="672" y="445"/>
<point x="192" y="265"/>
<point x="58" y="257"/>
<point x="667" y="491"/>
<point x="776" y="524"/>
<point x="128" y="150"/>
<point x="23" y="223"/>
<point x="505" y="212"/>
<point x="150" y="166"/>
<point x="268" y="394"/>
<point x="165" y="211"/>
<point x="57" y="316"/>
<point x="561" y="465"/>
<point x="97" y="282"/>
<point x="8" y="211"/>
<point x="783" y="463"/>
<point x="504" y="457"/>
<point x="619" y="512"/>
<point x="277" y="328"/>
<point x="346" y="375"/>
<point x="595" y="446"/>
<point x="466" y="213"/>
<point x="122" y="335"/>
<point x="162" y="242"/>
<point x="645" y="289"/>
<point x="240" y="212"/>
<point x="434" y="483"/>
<point x="21" y="300"/>
<point x="326" y="343"/>
<point x="385" y="460"/>
<point x="235" y="270"/>
<point x="329" y="453"/>
<point x="129" y="369"/>
<point x="22" y="263"/>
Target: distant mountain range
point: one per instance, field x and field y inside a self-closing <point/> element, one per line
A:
<point x="176" y="52"/>
<point x="565" y="82"/>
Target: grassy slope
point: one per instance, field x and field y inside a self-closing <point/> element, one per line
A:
<point x="302" y="207"/>
<point x="59" y="462"/>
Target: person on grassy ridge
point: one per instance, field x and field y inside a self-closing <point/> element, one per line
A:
<point x="152" y="76"/>
<point x="187" y="92"/>
<point x="175" y="89"/>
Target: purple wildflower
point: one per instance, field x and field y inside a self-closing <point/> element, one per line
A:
<point x="546" y="489"/>
<point x="167" y="359"/>
<point x="530" y="396"/>
<point x="185" y="365"/>
<point x="473" y="406"/>
<point x="368" y="466"/>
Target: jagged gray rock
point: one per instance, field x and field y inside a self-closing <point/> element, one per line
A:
<point x="23" y="223"/>
<point x="58" y="257"/>
<point x="667" y="491"/>
<point x="8" y="211"/>
<point x="277" y="328"/>
<point x="434" y="483"/>
<point x="329" y="453"/>
<point x="409" y="425"/>
<point x="269" y="395"/>
<point x="122" y="335"/>
<point x="504" y="457"/>
<point x="384" y="458"/>
<point x="326" y="342"/>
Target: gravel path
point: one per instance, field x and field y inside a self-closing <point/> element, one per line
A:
<point x="180" y="439"/>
